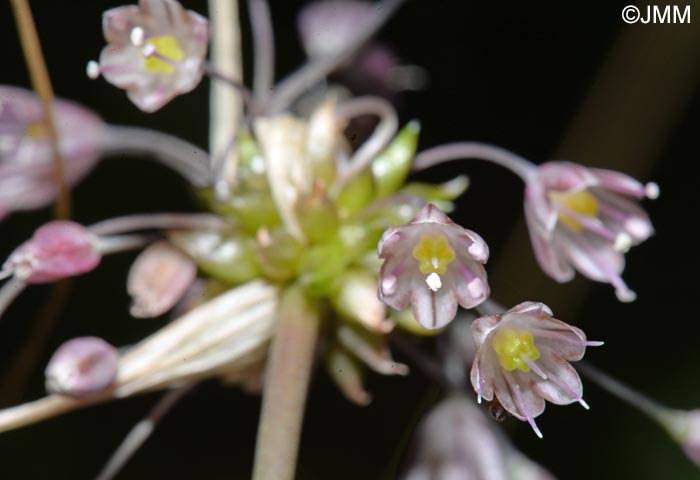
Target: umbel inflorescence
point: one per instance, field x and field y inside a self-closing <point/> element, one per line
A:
<point x="306" y="249"/>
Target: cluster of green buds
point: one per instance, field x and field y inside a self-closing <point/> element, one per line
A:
<point x="301" y="213"/>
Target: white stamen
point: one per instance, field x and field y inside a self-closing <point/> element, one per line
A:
<point x="535" y="368"/>
<point x="625" y="295"/>
<point x="652" y="190"/>
<point x="136" y="36"/>
<point x="92" y="69"/>
<point x="149" y="49"/>
<point x="623" y="242"/>
<point x="584" y="404"/>
<point x="434" y="282"/>
<point x="434" y="261"/>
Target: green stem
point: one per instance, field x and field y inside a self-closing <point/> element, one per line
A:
<point x="286" y="384"/>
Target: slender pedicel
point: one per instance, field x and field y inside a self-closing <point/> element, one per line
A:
<point x="41" y="82"/>
<point x="289" y="89"/>
<point x="263" y="49"/>
<point x="148" y="221"/>
<point x="382" y="135"/>
<point x="142" y="431"/>
<point x="185" y="158"/>
<point x="475" y="150"/>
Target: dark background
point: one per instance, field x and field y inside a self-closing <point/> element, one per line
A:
<point x="511" y="73"/>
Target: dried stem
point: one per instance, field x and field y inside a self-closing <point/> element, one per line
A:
<point x="42" y="85"/>
<point x="286" y="384"/>
<point x="225" y="104"/>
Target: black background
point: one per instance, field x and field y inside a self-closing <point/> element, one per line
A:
<point x="510" y="73"/>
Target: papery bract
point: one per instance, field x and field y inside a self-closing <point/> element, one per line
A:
<point x="523" y="359"/>
<point x="435" y="264"/>
<point x="156" y="51"/>
<point x="27" y="169"/>
<point x="583" y="218"/>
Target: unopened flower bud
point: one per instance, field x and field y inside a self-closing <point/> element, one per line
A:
<point x="82" y="366"/>
<point x="158" y="279"/>
<point x="57" y="250"/>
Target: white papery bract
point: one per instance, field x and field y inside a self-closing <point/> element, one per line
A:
<point x="435" y="264"/>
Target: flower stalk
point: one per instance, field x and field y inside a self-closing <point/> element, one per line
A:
<point x="41" y="82"/>
<point x="287" y="378"/>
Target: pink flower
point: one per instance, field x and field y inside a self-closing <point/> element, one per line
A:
<point x="57" y="250"/>
<point x="155" y="51"/>
<point x="82" y="366"/>
<point x="26" y="160"/>
<point x="523" y="359"/>
<point x="583" y="218"/>
<point x="435" y="264"/>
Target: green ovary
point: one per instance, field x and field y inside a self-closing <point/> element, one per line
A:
<point x="167" y="51"/>
<point x="583" y="203"/>
<point x="513" y="347"/>
<point x="433" y="253"/>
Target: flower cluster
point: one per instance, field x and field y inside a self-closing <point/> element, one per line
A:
<point x="305" y="231"/>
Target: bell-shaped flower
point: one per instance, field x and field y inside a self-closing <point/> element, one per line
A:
<point x="27" y="172"/>
<point x="155" y="51"/>
<point x="457" y="441"/>
<point x="586" y="219"/>
<point x="57" y="250"/>
<point x="82" y="366"/>
<point x="523" y="359"/>
<point x="435" y="264"/>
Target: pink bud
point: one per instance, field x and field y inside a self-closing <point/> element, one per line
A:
<point x="82" y="366"/>
<point x="57" y="250"/>
<point x="158" y="279"/>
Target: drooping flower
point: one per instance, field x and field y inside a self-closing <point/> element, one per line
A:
<point x="457" y="441"/>
<point x="57" y="250"/>
<point x="435" y="264"/>
<point x="82" y="366"/>
<point x="27" y="172"/>
<point x="523" y="359"/>
<point x="586" y="219"/>
<point x="155" y="51"/>
<point x="327" y="26"/>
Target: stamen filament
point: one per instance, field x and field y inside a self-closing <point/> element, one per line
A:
<point x="534" y="366"/>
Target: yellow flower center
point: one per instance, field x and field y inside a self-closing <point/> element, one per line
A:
<point x="35" y="130"/>
<point x="433" y="253"/>
<point x="513" y="347"/>
<point x="166" y="50"/>
<point x="582" y="202"/>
